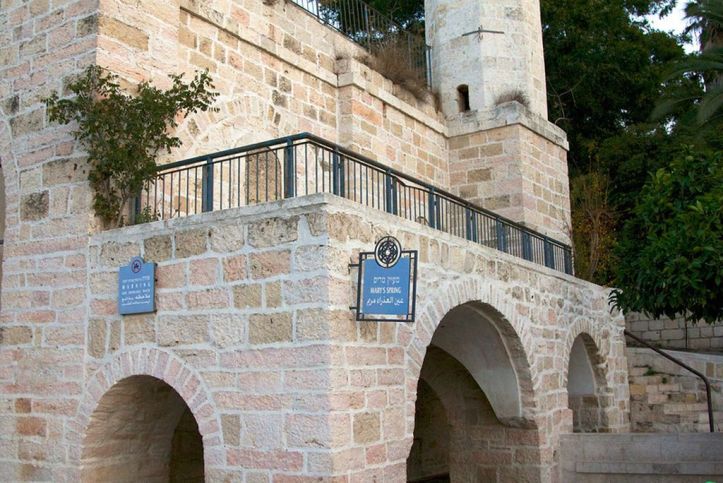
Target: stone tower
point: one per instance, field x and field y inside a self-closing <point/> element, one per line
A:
<point x="488" y="69"/>
<point x="484" y="50"/>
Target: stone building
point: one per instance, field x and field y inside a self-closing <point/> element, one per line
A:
<point x="253" y="368"/>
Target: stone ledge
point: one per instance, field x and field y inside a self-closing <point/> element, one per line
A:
<point x="507" y="114"/>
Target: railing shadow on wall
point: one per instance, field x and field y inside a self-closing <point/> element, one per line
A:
<point x="372" y="30"/>
<point x="304" y="164"/>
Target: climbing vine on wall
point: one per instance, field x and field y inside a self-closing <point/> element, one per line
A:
<point x="123" y="133"/>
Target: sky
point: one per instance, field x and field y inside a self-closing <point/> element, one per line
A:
<point x="674" y="22"/>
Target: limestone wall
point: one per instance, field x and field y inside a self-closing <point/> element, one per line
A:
<point x="254" y="332"/>
<point x="676" y="334"/>
<point x="513" y="163"/>
<point x="664" y="397"/>
<point x="529" y="297"/>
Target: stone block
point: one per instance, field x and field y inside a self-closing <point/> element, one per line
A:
<point x="115" y="254"/>
<point x="34" y="206"/>
<point x="158" y="248"/>
<point x="191" y="243"/>
<point x="227" y="238"/>
<point x="15" y="335"/>
<point x="27" y="123"/>
<point x="139" y="329"/>
<point x="272" y="294"/>
<point x="270" y="264"/>
<point x="247" y="296"/>
<point x="176" y="330"/>
<point x="31" y="426"/>
<point x="62" y="171"/>
<point x="124" y="33"/>
<point x="87" y="25"/>
<point x="96" y="338"/>
<point x="234" y="268"/>
<point x="270" y="328"/>
<point x="366" y="428"/>
<point x="273" y="232"/>
<point x="231" y="429"/>
<point x="228" y="330"/>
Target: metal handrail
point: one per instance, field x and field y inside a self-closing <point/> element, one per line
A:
<point x="711" y="422"/>
<point x="305" y="164"/>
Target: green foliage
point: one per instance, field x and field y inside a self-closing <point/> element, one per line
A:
<point x="673" y="244"/>
<point x="605" y="69"/>
<point x="706" y="18"/>
<point x="123" y="134"/>
<point x="146" y="215"/>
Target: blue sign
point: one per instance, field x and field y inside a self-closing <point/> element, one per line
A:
<point x="137" y="287"/>
<point x="385" y="291"/>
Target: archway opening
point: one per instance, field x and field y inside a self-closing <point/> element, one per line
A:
<point x="585" y="385"/>
<point x="473" y="409"/>
<point x="142" y="430"/>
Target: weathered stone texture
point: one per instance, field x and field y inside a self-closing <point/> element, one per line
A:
<point x="664" y="397"/>
<point x="253" y="329"/>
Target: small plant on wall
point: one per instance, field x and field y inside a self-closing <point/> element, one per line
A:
<point x="123" y="134"/>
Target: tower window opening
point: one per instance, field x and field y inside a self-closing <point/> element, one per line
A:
<point x="463" y="98"/>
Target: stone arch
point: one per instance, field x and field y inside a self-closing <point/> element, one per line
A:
<point x="496" y="307"/>
<point x="161" y="366"/>
<point x="8" y="186"/>
<point x="586" y="377"/>
<point x="475" y="328"/>
<point x="142" y="430"/>
<point x="239" y="121"/>
<point x="8" y="173"/>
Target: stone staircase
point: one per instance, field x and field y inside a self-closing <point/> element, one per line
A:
<point x="666" y="398"/>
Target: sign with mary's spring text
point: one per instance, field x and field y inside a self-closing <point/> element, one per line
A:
<point x="387" y="283"/>
<point x="137" y="287"/>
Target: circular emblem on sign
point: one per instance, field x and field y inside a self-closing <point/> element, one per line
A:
<point x="136" y="266"/>
<point x="388" y="251"/>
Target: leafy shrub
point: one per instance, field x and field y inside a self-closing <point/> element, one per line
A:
<point x="671" y="250"/>
<point x="123" y="134"/>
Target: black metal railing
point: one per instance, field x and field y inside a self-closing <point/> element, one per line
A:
<point x="372" y="30"/>
<point x="305" y="164"/>
<point x="706" y="382"/>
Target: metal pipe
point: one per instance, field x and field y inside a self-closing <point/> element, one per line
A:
<point x="711" y="422"/>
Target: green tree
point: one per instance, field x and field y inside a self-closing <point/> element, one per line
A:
<point x="123" y="134"/>
<point x="706" y="17"/>
<point x="605" y="69"/>
<point x="673" y="244"/>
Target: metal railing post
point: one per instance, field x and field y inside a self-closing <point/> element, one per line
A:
<point x="549" y="253"/>
<point x="526" y="246"/>
<point x="471" y="225"/>
<point x="289" y="170"/>
<point x="432" y="208"/>
<point x="501" y="236"/>
<point x="335" y="172"/>
<point x="207" y="186"/>
<point x="391" y="194"/>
